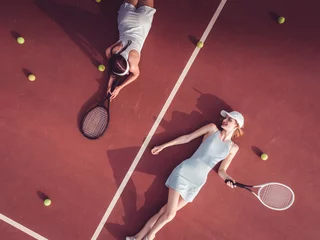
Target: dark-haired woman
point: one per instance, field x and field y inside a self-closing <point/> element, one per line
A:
<point x="134" y="23"/>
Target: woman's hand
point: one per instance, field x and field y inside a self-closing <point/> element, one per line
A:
<point x="231" y="182"/>
<point x="109" y="91"/>
<point x="156" y="150"/>
<point x="115" y="93"/>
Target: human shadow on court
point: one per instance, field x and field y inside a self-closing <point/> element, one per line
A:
<point x="157" y="168"/>
<point x="92" y="32"/>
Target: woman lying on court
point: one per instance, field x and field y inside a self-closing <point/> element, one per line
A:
<point x="135" y="18"/>
<point x="188" y="177"/>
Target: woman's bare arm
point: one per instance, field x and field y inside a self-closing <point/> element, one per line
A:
<point x="116" y="49"/>
<point x="203" y="131"/>
<point x="226" y="163"/>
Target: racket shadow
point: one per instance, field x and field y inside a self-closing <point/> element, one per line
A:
<point x="93" y="100"/>
<point x="152" y="171"/>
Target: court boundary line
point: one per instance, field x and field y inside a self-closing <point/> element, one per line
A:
<point x="21" y="227"/>
<point x="157" y="122"/>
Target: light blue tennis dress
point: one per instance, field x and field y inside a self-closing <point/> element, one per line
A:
<point x="190" y="175"/>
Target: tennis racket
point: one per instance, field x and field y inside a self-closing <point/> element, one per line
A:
<point x="273" y="195"/>
<point x="95" y="122"/>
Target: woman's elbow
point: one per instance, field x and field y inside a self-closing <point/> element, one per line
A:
<point x="222" y="172"/>
<point x="135" y="71"/>
<point x="137" y="74"/>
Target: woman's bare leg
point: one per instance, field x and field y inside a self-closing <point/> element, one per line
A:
<point x="133" y="2"/>
<point x="149" y="3"/>
<point x="152" y="221"/>
<point x="168" y="215"/>
<point x="143" y="232"/>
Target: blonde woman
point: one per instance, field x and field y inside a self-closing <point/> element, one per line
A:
<point x="187" y="179"/>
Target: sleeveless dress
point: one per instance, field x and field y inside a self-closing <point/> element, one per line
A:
<point x="134" y="25"/>
<point x="190" y="175"/>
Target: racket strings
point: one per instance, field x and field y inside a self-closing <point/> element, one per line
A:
<point x="276" y="196"/>
<point x="95" y="122"/>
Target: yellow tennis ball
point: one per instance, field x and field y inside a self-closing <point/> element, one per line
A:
<point x="32" y="77"/>
<point x="264" y="156"/>
<point x="200" y="44"/>
<point x="98" y="1"/>
<point x="47" y="202"/>
<point x="101" y="68"/>
<point x="281" y="20"/>
<point x="20" y="40"/>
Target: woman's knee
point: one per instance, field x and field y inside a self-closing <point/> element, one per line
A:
<point x="169" y="215"/>
<point x="133" y="2"/>
<point x="163" y="210"/>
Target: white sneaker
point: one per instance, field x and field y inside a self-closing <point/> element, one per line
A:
<point x="130" y="238"/>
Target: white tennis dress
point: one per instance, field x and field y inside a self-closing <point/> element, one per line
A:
<point x="134" y="25"/>
<point x="190" y="175"/>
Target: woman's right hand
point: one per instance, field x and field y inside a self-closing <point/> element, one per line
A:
<point x="231" y="182"/>
<point x="156" y="150"/>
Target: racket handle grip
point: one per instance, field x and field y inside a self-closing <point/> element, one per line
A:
<point x="236" y="183"/>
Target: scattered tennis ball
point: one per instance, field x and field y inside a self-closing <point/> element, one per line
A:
<point x="264" y="156"/>
<point x="281" y="20"/>
<point x="98" y="1"/>
<point x="20" y="40"/>
<point x="47" y="202"/>
<point x="32" y="77"/>
<point x="101" y="68"/>
<point x="200" y="44"/>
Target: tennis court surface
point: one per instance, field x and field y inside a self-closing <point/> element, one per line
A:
<point x="249" y="63"/>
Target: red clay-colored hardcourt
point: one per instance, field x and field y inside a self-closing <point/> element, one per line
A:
<point x="250" y="63"/>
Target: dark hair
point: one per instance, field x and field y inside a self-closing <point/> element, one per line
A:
<point x="117" y="63"/>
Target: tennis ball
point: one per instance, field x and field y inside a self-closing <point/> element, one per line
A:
<point x="200" y="44"/>
<point x="264" y="156"/>
<point x="281" y="20"/>
<point x="98" y="1"/>
<point x="20" y="40"/>
<point x="101" y="68"/>
<point x="32" y="77"/>
<point x="47" y="202"/>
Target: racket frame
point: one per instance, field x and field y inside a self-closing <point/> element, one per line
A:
<point x="260" y="186"/>
<point x="101" y="103"/>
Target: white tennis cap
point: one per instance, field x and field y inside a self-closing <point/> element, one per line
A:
<point x="235" y="115"/>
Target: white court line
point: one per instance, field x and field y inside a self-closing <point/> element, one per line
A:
<point x="157" y="122"/>
<point x="21" y="228"/>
